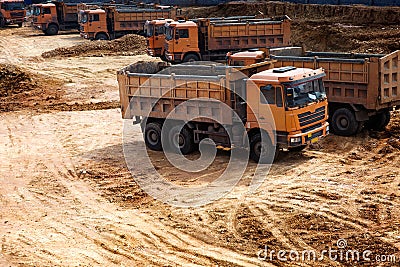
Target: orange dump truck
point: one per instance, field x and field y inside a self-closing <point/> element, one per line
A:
<point x="292" y="97"/>
<point x="116" y="21"/>
<point x="211" y="38"/>
<point x="12" y="12"/>
<point x="361" y="88"/>
<point x="55" y="16"/>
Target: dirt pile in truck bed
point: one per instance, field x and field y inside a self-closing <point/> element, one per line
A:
<point x="128" y="45"/>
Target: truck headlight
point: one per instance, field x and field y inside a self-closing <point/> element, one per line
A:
<point x="294" y="140"/>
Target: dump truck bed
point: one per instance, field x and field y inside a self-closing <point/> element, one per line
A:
<point x="140" y="89"/>
<point x="134" y="19"/>
<point x="234" y="34"/>
<point x="362" y="79"/>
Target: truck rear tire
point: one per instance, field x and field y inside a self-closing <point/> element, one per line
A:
<point x="2" y="22"/>
<point x="20" y="24"/>
<point x="52" y="30"/>
<point x="191" y="58"/>
<point x="101" y="36"/>
<point x="152" y="136"/>
<point x="344" y="122"/>
<point x="181" y="139"/>
<point x="379" y="121"/>
<point x="261" y="149"/>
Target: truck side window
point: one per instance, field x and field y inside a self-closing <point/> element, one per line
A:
<point x="279" y="102"/>
<point x="96" y="17"/>
<point x="268" y="92"/>
<point x="183" y="33"/>
<point x="46" y="10"/>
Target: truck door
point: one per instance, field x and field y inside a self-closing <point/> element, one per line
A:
<point x="271" y="101"/>
<point x="182" y="40"/>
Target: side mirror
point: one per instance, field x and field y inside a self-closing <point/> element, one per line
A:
<point x="290" y="95"/>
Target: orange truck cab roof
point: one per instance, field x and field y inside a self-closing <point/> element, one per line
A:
<point x="160" y="21"/>
<point x="46" y="5"/>
<point x="186" y="24"/>
<point x="249" y="55"/>
<point x="95" y="11"/>
<point x="287" y="75"/>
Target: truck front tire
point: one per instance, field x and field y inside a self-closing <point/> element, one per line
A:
<point x="52" y="30"/>
<point x="344" y="122"/>
<point x="262" y="150"/>
<point x="101" y="36"/>
<point x="191" y="58"/>
<point x="152" y="136"/>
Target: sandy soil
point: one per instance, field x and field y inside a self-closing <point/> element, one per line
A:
<point x="68" y="199"/>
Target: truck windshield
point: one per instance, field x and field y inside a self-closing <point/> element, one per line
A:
<point x="14" y="5"/>
<point x="149" y="30"/>
<point x="84" y="17"/>
<point x="170" y="33"/>
<point x="36" y="11"/>
<point x="299" y="95"/>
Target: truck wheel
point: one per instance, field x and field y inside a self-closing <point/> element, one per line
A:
<point x="52" y="30"/>
<point x="262" y="150"/>
<point x="344" y="122"/>
<point x="379" y="121"/>
<point x="20" y="24"/>
<point x="181" y="139"/>
<point x="191" y="58"/>
<point x="152" y="136"/>
<point x="101" y="36"/>
<point x="2" y="22"/>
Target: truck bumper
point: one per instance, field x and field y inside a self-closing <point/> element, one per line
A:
<point x="175" y="58"/>
<point x="154" y="52"/>
<point x="41" y="27"/>
<point x="89" y="36"/>
<point x="309" y="137"/>
<point x="14" y="21"/>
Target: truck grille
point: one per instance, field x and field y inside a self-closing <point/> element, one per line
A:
<point x="311" y="128"/>
<point x="17" y="14"/>
<point x="311" y="117"/>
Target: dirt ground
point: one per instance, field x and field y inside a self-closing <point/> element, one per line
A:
<point x="68" y="199"/>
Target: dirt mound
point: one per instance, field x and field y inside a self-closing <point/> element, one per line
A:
<point x="357" y="15"/>
<point x="129" y="45"/>
<point x="356" y="29"/>
<point x="14" y="80"/>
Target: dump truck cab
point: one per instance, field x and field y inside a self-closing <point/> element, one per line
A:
<point x="154" y="31"/>
<point x="181" y="41"/>
<point x="93" y="24"/>
<point x="45" y="15"/>
<point x="12" y="12"/>
<point x="297" y="100"/>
